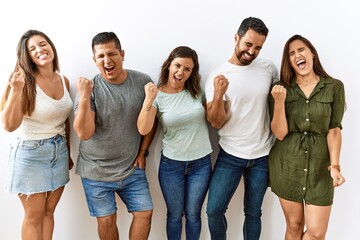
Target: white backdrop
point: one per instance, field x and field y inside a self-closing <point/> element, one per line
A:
<point x="148" y="31"/>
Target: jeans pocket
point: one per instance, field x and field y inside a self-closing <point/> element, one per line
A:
<point x="29" y="144"/>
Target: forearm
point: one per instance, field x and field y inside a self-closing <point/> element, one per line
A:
<point x="146" y="119"/>
<point x="147" y="139"/>
<point x="12" y="114"/>
<point x="84" y="122"/>
<point x="216" y="113"/>
<point x="279" y="125"/>
<point x="334" y="140"/>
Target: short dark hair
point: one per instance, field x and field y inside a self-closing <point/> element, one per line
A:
<point x="255" y="24"/>
<point x="105" y="37"/>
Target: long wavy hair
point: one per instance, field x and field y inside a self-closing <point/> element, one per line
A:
<point x="192" y="85"/>
<point x="25" y="65"/>
<point x="287" y="73"/>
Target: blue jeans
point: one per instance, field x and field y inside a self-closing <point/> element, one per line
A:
<point x="224" y="182"/>
<point x="184" y="185"/>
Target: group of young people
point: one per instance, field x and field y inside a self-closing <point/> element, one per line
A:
<point x="116" y="114"/>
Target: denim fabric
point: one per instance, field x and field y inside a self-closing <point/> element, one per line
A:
<point x="37" y="166"/>
<point x="133" y="190"/>
<point x="226" y="177"/>
<point x="184" y="185"/>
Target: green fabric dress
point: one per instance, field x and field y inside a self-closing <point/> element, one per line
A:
<point x="298" y="164"/>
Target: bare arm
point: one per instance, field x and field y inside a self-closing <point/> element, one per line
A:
<point x="215" y="110"/>
<point x="144" y="146"/>
<point x="12" y="114"/>
<point x="147" y="116"/>
<point x="279" y="125"/>
<point x="67" y="130"/>
<point x="334" y="145"/>
<point x="84" y="121"/>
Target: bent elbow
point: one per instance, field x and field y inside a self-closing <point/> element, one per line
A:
<point x="215" y="125"/>
<point x="9" y="127"/>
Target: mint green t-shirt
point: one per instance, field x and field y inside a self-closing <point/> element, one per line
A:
<point x="186" y="133"/>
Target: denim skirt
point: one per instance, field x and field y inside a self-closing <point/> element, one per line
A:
<point x="37" y="166"/>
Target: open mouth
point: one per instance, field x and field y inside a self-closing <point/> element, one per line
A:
<point x="109" y="70"/>
<point x="301" y="64"/>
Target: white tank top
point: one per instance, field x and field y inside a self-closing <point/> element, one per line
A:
<point x="49" y="116"/>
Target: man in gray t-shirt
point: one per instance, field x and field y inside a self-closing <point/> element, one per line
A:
<point x="112" y="152"/>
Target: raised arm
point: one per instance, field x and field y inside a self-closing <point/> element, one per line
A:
<point x="147" y="114"/>
<point x="279" y="125"/>
<point x="215" y="110"/>
<point x="84" y="121"/>
<point x="12" y="114"/>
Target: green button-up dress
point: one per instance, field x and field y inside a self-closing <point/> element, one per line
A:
<point x="298" y="164"/>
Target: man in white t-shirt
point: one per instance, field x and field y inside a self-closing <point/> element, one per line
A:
<point x="237" y="104"/>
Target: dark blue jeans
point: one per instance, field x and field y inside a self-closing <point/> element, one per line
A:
<point x="184" y="185"/>
<point x="224" y="182"/>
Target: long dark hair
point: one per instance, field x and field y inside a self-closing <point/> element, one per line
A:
<point x="193" y="83"/>
<point x="25" y="65"/>
<point x="287" y="73"/>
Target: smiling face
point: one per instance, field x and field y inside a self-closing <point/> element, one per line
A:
<point x="248" y="47"/>
<point x="180" y="70"/>
<point x="301" y="58"/>
<point x="40" y="50"/>
<point x="109" y="59"/>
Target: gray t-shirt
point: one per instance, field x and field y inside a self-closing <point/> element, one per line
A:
<point x="109" y="154"/>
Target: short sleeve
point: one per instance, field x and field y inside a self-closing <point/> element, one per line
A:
<point x="338" y="105"/>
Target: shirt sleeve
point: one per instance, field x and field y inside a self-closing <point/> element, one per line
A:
<point x="338" y="105"/>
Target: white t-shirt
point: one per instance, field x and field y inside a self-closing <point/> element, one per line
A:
<point x="246" y="132"/>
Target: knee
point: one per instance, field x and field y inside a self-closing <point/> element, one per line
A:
<point x="144" y="216"/>
<point x="252" y="212"/>
<point x="107" y="222"/>
<point x="49" y="212"/>
<point x="315" y="233"/>
<point x="193" y="217"/>
<point x="213" y="212"/>
<point x="295" y="228"/>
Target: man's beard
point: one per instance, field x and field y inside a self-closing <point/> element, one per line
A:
<point x="243" y="61"/>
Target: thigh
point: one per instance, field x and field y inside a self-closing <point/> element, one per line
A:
<point x="34" y="205"/>
<point x="293" y="212"/>
<point x="197" y="184"/>
<point x="317" y="217"/>
<point x="172" y="183"/>
<point x="53" y="199"/>
<point x="224" y="181"/>
<point x="135" y="192"/>
<point x="100" y="197"/>
<point x="256" y="182"/>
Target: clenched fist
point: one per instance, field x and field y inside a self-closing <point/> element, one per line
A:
<point x="17" y="80"/>
<point x="279" y="93"/>
<point x="151" y="91"/>
<point x="84" y="87"/>
<point x="221" y="84"/>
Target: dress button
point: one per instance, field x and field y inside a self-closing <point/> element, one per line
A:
<point x="305" y="170"/>
<point x="307" y="119"/>
<point x="307" y="101"/>
<point x="305" y="151"/>
<point x="304" y="188"/>
<point x="305" y="133"/>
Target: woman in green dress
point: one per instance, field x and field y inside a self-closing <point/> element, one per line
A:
<point x="306" y="108"/>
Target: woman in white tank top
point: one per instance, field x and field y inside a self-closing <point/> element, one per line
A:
<point x="37" y="104"/>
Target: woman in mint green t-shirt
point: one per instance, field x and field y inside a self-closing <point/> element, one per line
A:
<point x="185" y="165"/>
